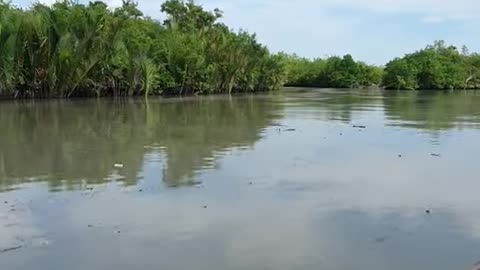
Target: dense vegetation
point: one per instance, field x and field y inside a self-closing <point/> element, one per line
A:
<point x="436" y="67"/>
<point x="334" y="72"/>
<point x="70" y="49"/>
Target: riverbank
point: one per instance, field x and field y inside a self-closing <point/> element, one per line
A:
<point x="71" y="49"/>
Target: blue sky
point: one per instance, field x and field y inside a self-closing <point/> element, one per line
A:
<point x="373" y="31"/>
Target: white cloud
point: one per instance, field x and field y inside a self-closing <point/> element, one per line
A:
<point x="372" y="30"/>
<point x="458" y="8"/>
<point x="433" y="19"/>
<point x="113" y="3"/>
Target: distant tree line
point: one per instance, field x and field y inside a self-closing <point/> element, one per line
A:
<point x="438" y="66"/>
<point x="333" y="72"/>
<point x="435" y="67"/>
<point x="71" y="49"/>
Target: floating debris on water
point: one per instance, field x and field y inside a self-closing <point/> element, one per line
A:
<point x="10" y="249"/>
<point x="435" y="155"/>
<point x="290" y="130"/>
<point x="428" y="211"/>
<point x="198" y="184"/>
<point x="381" y="239"/>
<point x="118" y="165"/>
<point x="355" y="126"/>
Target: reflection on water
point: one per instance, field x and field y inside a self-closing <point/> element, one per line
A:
<point x="281" y="181"/>
<point x="433" y="110"/>
<point x="66" y="143"/>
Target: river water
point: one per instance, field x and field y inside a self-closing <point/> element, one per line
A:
<point x="298" y="179"/>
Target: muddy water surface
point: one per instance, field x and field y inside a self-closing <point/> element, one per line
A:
<point x="299" y="179"/>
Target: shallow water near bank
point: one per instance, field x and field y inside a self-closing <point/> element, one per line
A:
<point x="298" y="179"/>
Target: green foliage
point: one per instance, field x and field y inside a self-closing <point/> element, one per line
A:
<point x="400" y="74"/>
<point x="436" y="67"/>
<point x="150" y="76"/>
<point x="71" y="49"/>
<point x="333" y="72"/>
